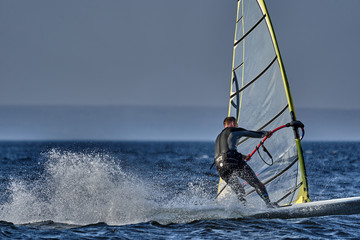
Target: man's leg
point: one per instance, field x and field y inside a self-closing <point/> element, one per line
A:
<point x="229" y="172"/>
<point x="236" y="186"/>
<point x="249" y="176"/>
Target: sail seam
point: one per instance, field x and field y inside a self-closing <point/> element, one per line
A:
<point x="273" y="119"/>
<point x="276" y="176"/>
<point x="289" y="193"/>
<point x="256" y="78"/>
<point x="238" y="66"/>
<point x="266" y="124"/>
<point x="251" y="29"/>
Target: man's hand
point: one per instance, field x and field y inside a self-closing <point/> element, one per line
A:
<point x="247" y="157"/>
<point x="268" y="134"/>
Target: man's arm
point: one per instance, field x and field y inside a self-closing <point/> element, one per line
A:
<point x="247" y="133"/>
<point x="236" y="134"/>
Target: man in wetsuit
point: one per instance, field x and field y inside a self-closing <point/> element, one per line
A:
<point x="231" y="164"/>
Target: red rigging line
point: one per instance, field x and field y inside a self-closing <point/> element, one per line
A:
<point x="294" y="124"/>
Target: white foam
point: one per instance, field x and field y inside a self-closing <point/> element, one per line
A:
<point x="88" y="188"/>
<point x="79" y="188"/>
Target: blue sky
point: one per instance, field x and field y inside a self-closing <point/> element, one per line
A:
<point x="168" y="53"/>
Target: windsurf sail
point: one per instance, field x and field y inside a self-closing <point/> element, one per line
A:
<point x="260" y="99"/>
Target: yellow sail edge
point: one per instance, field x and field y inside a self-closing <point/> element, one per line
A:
<point x="303" y="195"/>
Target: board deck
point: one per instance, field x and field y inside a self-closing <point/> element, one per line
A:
<point x="340" y="206"/>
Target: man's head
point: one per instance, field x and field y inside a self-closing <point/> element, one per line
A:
<point x="230" y="122"/>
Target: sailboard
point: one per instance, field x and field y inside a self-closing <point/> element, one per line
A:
<point x="260" y="99"/>
<point x="340" y="206"/>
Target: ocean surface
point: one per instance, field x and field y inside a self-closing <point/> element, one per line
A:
<point x="154" y="190"/>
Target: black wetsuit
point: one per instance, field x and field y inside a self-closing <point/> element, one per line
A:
<point x="231" y="164"/>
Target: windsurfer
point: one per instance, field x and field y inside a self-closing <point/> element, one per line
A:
<point x="231" y="164"/>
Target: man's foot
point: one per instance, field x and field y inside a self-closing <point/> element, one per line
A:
<point x="272" y="205"/>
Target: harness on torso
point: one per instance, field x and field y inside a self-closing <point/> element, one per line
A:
<point x="222" y="147"/>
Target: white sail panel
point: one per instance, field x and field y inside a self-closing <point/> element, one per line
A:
<point x="260" y="100"/>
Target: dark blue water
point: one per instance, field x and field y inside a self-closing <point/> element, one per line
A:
<point x="153" y="190"/>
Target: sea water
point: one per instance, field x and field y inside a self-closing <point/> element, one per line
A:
<point x="154" y="190"/>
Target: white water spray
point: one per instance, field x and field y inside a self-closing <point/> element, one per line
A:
<point x="88" y="188"/>
<point x="79" y="188"/>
